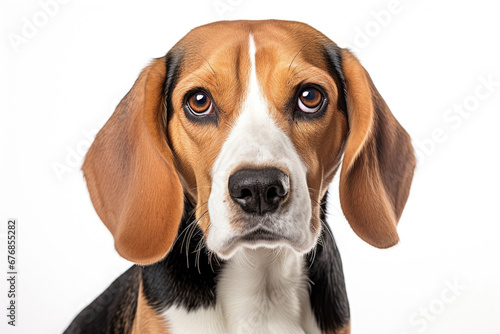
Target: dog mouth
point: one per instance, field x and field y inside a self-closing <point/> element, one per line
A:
<point x="260" y="234"/>
<point x="256" y="238"/>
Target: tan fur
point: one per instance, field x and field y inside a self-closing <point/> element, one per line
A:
<point x="147" y="321"/>
<point x="345" y="330"/>
<point x="131" y="176"/>
<point x="211" y="66"/>
<point x="378" y="161"/>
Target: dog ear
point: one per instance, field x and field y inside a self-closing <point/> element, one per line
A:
<point x="130" y="172"/>
<point x="378" y="160"/>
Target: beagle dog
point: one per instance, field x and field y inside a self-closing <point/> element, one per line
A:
<point x="212" y="176"/>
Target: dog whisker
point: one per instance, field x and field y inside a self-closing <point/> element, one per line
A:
<point x="213" y="71"/>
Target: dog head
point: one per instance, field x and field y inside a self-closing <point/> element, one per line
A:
<point x="249" y="120"/>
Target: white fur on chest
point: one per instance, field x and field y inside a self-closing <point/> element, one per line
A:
<point x="259" y="291"/>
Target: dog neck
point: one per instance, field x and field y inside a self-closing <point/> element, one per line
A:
<point x="265" y="291"/>
<point x="259" y="291"/>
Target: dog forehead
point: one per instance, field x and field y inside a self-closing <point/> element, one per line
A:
<point x="226" y="43"/>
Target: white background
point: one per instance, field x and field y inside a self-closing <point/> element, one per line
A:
<point x="427" y="57"/>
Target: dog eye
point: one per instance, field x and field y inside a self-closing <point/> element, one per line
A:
<point x="309" y="100"/>
<point x="200" y="104"/>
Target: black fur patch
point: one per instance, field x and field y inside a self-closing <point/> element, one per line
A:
<point x="173" y="62"/>
<point x="185" y="277"/>
<point x="333" y="58"/>
<point x="328" y="293"/>
<point x="113" y="311"/>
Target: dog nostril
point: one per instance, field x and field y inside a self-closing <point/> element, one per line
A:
<point x="245" y="192"/>
<point x="274" y="193"/>
<point x="273" y="196"/>
<point x="271" y="193"/>
<point x="277" y="191"/>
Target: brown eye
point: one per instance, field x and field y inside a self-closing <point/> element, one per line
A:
<point x="200" y="104"/>
<point x="309" y="100"/>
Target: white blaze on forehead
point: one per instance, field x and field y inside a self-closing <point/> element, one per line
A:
<point x="254" y="130"/>
<point x="253" y="87"/>
<point x="256" y="141"/>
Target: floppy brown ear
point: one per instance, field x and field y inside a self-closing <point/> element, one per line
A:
<point x="130" y="172"/>
<point x="378" y="161"/>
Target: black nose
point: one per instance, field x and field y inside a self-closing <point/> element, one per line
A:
<point x="259" y="190"/>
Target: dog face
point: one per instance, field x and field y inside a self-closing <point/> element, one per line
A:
<point x="258" y="134"/>
<point x="249" y="120"/>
